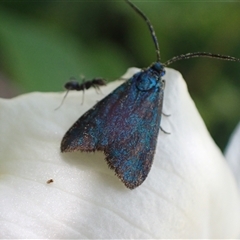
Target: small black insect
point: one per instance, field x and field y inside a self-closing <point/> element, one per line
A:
<point x="74" y="85"/>
<point x="95" y="83"/>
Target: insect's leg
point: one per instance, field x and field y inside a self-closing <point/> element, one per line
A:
<point x="164" y="131"/>
<point x="83" y="96"/>
<point x="164" y="85"/>
<point x="98" y="89"/>
<point x="166" y="115"/>
<point x="82" y="87"/>
<point x="62" y="100"/>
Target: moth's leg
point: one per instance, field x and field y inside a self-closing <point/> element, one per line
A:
<point x="164" y="131"/>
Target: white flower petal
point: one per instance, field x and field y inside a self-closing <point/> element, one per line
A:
<point x="232" y="153"/>
<point x="189" y="193"/>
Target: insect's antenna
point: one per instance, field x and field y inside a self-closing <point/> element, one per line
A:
<point x="150" y="26"/>
<point x="201" y="54"/>
<point x="62" y="100"/>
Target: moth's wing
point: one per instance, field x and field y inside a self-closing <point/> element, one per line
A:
<point x="92" y="130"/>
<point x="124" y="125"/>
<point x="131" y="153"/>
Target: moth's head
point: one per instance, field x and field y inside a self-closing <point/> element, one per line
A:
<point x="150" y="78"/>
<point x="159" y="68"/>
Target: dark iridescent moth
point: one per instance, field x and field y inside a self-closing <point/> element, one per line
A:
<point x="125" y="124"/>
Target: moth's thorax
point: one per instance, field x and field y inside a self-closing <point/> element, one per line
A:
<point x="150" y="77"/>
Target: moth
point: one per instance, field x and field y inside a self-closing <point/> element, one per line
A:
<point x="125" y="124"/>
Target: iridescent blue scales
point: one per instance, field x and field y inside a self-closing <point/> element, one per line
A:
<point x="124" y="125"/>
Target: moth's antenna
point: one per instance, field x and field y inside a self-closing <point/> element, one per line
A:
<point x="150" y="26"/>
<point x="201" y="54"/>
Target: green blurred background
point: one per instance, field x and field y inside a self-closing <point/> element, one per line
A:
<point x="44" y="43"/>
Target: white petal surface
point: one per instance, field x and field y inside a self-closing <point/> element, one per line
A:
<point x="232" y="154"/>
<point x="189" y="193"/>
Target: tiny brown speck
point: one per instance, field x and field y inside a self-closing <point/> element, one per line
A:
<point x="50" y="181"/>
